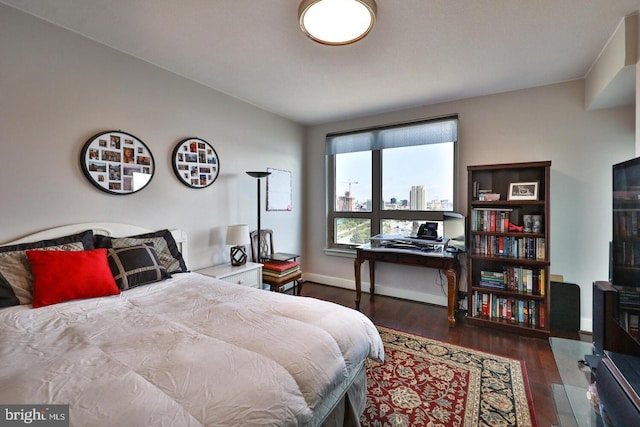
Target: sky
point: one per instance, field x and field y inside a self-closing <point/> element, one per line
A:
<point x="428" y="165"/>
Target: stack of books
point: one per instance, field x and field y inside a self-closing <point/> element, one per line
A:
<point x="492" y="279"/>
<point x="278" y="269"/>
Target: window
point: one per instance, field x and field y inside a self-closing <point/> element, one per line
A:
<point x="389" y="179"/>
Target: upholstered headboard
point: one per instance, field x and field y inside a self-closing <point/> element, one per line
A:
<point x="113" y="229"/>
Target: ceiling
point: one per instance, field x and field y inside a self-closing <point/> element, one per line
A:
<point x="420" y="52"/>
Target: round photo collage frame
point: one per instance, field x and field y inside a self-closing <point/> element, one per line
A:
<point x="120" y="163"/>
<point x="195" y="163"/>
<point x="117" y="162"/>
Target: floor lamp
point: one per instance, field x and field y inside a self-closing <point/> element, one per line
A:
<point x="258" y="175"/>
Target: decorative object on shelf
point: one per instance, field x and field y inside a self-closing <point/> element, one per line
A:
<point x="523" y="191"/>
<point x="195" y="163"/>
<point x="117" y="162"/>
<point x="337" y="22"/>
<point x="238" y="238"/>
<point x="278" y="190"/>
<point x="537" y="223"/>
<point x="258" y="175"/>
<point x="527" y="222"/>
<point x="514" y="228"/>
<point x="489" y="197"/>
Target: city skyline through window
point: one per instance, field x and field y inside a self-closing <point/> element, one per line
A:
<point x="389" y="180"/>
<point x="429" y="166"/>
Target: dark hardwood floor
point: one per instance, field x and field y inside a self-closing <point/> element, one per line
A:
<point x="431" y="321"/>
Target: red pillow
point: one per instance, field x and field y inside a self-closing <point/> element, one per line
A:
<point x="60" y="276"/>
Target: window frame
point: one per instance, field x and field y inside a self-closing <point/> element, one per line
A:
<point x="377" y="214"/>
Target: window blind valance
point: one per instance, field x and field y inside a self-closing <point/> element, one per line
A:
<point x="405" y="135"/>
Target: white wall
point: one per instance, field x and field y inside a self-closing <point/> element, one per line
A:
<point x="57" y="89"/>
<point x="544" y="123"/>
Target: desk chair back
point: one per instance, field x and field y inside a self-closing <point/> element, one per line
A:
<point x="265" y="245"/>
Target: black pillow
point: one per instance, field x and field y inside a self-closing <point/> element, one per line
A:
<point x="163" y="243"/>
<point x="86" y="238"/>
<point x="135" y="265"/>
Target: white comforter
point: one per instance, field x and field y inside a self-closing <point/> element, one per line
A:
<point x="188" y="351"/>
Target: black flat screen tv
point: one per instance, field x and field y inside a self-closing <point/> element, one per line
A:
<point x="625" y="245"/>
<point x="616" y="311"/>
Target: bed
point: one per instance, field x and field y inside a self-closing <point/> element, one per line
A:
<point x="169" y="347"/>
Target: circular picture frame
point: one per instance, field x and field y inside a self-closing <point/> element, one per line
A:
<point x="117" y="162"/>
<point x="195" y="163"/>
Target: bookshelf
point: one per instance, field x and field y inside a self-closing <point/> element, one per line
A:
<point x="508" y="260"/>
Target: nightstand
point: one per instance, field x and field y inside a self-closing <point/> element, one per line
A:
<point x="249" y="274"/>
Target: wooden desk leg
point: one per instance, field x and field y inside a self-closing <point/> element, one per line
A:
<point x="372" y="276"/>
<point x="452" y="301"/>
<point x="357" y="263"/>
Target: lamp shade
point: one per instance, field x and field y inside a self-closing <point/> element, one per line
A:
<point x="238" y="235"/>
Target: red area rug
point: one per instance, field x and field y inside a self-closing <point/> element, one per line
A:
<point x="424" y="382"/>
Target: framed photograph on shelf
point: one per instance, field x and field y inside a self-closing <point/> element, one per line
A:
<point x="523" y="191"/>
<point x="195" y="163"/>
<point x="117" y="162"/>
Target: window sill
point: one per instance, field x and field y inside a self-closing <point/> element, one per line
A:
<point x="344" y="253"/>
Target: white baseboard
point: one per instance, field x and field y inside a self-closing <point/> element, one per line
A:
<point x="381" y="289"/>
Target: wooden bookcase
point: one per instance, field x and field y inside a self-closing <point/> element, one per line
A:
<point x="507" y="266"/>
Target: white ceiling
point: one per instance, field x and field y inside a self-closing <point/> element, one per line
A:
<point x="420" y="52"/>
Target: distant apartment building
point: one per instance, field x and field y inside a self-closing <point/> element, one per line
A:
<point x="418" y="198"/>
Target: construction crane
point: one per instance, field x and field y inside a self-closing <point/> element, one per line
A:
<point x="350" y="182"/>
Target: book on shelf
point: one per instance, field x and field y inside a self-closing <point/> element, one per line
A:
<point x="490" y="219"/>
<point x="526" y="280"/>
<point x="631" y="323"/>
<point x="497" y="276"/>
<point x="516" y="279"/>
<point x="492" y="279"/>
<point x="485" y="304"/>
<point x="516" y="310"/>
<point x="492" y="285"/>
<point x="532" y="248"/>
<point x="625" y="223"/>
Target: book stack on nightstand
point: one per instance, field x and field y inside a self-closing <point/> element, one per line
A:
<point x="280" y="269"/>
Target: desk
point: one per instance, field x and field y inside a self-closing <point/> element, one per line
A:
<point x="448" y="262"/>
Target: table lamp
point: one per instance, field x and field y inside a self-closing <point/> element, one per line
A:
<point x="238" y="238"/>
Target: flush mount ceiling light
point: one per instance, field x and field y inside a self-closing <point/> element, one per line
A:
<point x="337" y="22"/>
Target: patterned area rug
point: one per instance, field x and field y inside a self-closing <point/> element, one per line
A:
<point x="424" y="382"/>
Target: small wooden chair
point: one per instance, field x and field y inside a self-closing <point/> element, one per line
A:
<point x="265" y="246"/>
